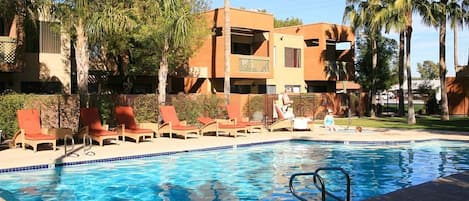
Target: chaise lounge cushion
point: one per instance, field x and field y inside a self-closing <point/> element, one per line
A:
<point x="125" y="115"/>
<point x="90" y="118"/>
<point x="168" y="113"/>
<point x="29" y="121"/>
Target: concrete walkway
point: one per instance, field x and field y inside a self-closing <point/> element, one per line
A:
<point x="451" y="188"/>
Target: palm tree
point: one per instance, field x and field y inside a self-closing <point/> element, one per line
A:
<point x="435" y="14"/>
<point x="395" y="18"/>
<point x="74" y="16"/>
<point x="398" y="15"/>
<point x="360" y="14"/>
<point x="227" y="33"/>
<point x="456" y="17"/>
<point x="175" y="32"/>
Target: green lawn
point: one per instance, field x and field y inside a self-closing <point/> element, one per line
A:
<point x="423" y="122"/>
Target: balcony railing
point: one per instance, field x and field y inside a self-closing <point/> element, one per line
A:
<point x="253" y="64"/>
<point x="7" y="49"/>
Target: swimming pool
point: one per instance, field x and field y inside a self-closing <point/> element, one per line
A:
<point x="258" y="172"/>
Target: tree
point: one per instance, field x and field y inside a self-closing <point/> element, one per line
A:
<point x="21" y="11"/>
<point x="110" y="32"/>
<point x="435" y="13"/>
<point x="227" y="35"/>
<point x="74" y="16"/>
<point x="428" y="70"/>
<point x="360" y="14"/>
<point x="395" y="18"/>
<point x="384" y="77"/>
<point x="287" y="22"/>
<point x="398" y="15"/>
<point x="456" y="17"/>
<point x="171" y="30"/>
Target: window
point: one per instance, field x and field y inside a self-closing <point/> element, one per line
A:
<point x="293" y="88"/>
<point x="241" y="48"/>
<point x="312" y="42"/>
<point x="271" y="89"/>
<point x="292" y="57"/>
<point x="50" y="39"/>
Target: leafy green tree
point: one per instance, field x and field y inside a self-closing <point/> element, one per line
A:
<point x="428" y="70"/>
<point x="170" y="30"/>
<point x="287" y="22"/>
<point x="396" y="18"/>
<point x="21" y="11"/>
<point x="386" y="62"/>
<point x="361" y="15"/>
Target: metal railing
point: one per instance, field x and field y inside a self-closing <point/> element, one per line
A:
<point x="321" y="186"/>
<point x="253" y="64"/>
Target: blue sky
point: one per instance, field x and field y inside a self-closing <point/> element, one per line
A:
<point x="424" y="39"/>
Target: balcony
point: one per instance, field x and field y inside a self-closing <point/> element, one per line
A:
<point x="253" y="64"/>
<point x="7" y="50"/>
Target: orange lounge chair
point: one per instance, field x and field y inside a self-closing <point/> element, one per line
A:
<point x="128" y="126"/>
<point x="281" y="121"/>
<point x="234" y="113"/>
<point x="31" y="133"/>
<point x="173" y="125"/>
<point x="93" y="127"/>
<point x="211" y="125"/>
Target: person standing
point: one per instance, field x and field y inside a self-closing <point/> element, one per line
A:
<point x="329" y="121"/>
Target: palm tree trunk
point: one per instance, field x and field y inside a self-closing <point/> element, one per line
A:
<point x="163" y="74"/>
<point x="455" y="52"/>
<point x="227" y="33"/>
<point x="410" y="97"/>
<point x="374" y="63"/>
<point x="20" y="34"/>
<point x="82" y="59"/>
<point x="444" y="96"/>
<point x="401" y="73"/>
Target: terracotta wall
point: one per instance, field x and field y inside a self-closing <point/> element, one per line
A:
<point x="458" y="95"/>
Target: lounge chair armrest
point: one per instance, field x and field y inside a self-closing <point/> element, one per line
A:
<point x="148" y="125"/>
<point x="164" y="125"/>
<point x="60" y="133"/>
<point x="45" y="130"/>
<point x="224" y="121"/>
<point x="17" y="138"/>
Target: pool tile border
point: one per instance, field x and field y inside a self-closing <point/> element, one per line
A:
<point x="119" y="158"/>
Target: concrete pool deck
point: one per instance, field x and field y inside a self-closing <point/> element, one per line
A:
<point x="18" y="158"/>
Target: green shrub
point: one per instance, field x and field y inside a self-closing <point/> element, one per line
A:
<point x="146" y="108"/>
<point x="254" y="105"/>
<point x="10" y="103"/>
<point x="187" y="108"/>
<point x="106" y="109"/>
<point x="211" y="106"/>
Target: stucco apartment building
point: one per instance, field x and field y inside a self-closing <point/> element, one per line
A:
<point x="265" y="59"/>
<point x="48" y="67"/>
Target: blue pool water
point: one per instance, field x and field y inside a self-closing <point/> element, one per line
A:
<point x="258" y="172"/>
